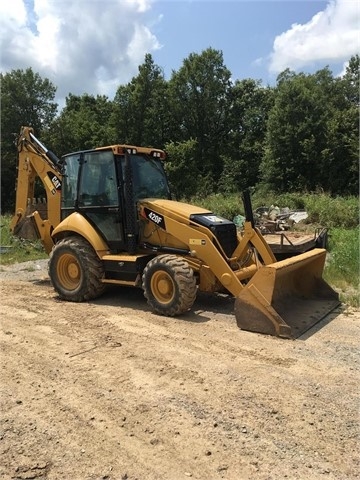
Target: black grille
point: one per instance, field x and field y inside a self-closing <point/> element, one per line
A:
<point x="224" y="230"/>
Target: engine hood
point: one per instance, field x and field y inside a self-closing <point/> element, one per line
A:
<point x="171" y="208"/>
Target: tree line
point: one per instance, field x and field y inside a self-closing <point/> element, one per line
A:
<point x="221" y="136"/>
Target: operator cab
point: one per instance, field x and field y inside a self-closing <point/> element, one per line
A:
<point x="105" y="184"/>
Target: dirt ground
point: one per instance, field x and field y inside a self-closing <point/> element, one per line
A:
<point x="107" y="390"/>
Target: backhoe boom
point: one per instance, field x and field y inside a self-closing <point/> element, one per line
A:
<point x="34" y="217"/>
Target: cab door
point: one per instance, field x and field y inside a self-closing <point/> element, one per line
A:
<point x="98" y="196"/>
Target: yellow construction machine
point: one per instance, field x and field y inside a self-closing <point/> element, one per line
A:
<point x="108" y="218"/>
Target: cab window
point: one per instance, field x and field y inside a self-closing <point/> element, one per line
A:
<point x="70" y="180"/>
<point x="98" y="185"/>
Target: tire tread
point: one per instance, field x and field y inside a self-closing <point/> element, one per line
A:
<point x="186" y="283"/>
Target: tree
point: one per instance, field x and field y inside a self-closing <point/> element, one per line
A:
<point x="121" y="119"/>
<point x="140" y="108"/>
<point x="26" y="100"/>
<point x="352" y="81"/>
<point x="199" y="101"/>
<point x="296" y="134"/>
<point x="312" y="135"/>
<point x="341" y="165"/>
<point x="243" y="151"/>
<point x="84" y="123"/>
<point x="182" y="160"/>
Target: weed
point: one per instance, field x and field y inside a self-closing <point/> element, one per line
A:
<point x="19" y="250"/>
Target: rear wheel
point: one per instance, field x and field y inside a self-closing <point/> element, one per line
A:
<point x="169" y="285"/>
<point x="75" y="270"/>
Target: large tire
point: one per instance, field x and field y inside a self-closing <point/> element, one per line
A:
<point x="169" y="285"/>
<point x="75" y="270"/>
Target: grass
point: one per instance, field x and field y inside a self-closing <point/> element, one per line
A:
<point x="322" y="209"/>
<point x="340" y="215"/>
<point x="19" y="250"/>
<point x="342" y="270"/>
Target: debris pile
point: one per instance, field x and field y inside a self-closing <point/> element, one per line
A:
<point x="278" y="226"/>
<point x="275" y="219"/>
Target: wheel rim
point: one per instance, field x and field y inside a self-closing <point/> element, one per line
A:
<point x="68" y="271"/>
<point x="162" y="287"/>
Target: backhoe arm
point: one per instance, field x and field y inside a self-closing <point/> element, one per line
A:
<point x="34" y="219"/>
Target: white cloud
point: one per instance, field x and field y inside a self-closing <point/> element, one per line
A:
<point x="141" y="38"/>
<point x="13" y="13"/>
<point x="83" y="46"/>
<point x="332" y="35"/>
<point x="342" y="72"/>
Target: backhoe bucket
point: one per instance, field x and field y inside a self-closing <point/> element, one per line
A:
<point x="286" y="298"/>
<point x="26" y="227"/>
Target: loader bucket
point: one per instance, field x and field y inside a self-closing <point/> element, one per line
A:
<point x="286" y="298"/>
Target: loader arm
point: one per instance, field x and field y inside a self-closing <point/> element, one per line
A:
<point x="34" y="218"/>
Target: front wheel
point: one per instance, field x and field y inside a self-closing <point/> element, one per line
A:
<point x="75" y="270"/>
<point x="169" y="285"/>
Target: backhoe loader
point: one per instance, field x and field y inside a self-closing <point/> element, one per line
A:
<point x="110" y="219"/>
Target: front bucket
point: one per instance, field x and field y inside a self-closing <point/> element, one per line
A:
<point x="286" y="298"/>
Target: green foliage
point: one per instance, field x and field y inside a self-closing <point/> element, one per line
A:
<point x="19" y="250"/>
<point x="352" y="80"/>
<point x="82" y="124"/>
<point x="342" y="270"/>
<point x="26" y="100"/>
<point x="141" y="114"/>
<point x="295" y="136"/>
<point x="225" y="206"/>
<point x="294" y="201"/>
<point x="199" y="102"/>
<point x="312" y="135"/>
<point x="242" y="152"/>
<point x="181" y="160"/>
<point x="332" y="211"/>
<point x="323" y="209"/>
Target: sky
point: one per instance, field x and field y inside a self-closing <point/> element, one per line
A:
<point x="93" y="46"/>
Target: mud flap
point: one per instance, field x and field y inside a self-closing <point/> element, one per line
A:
<point x="286" y="298"/>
